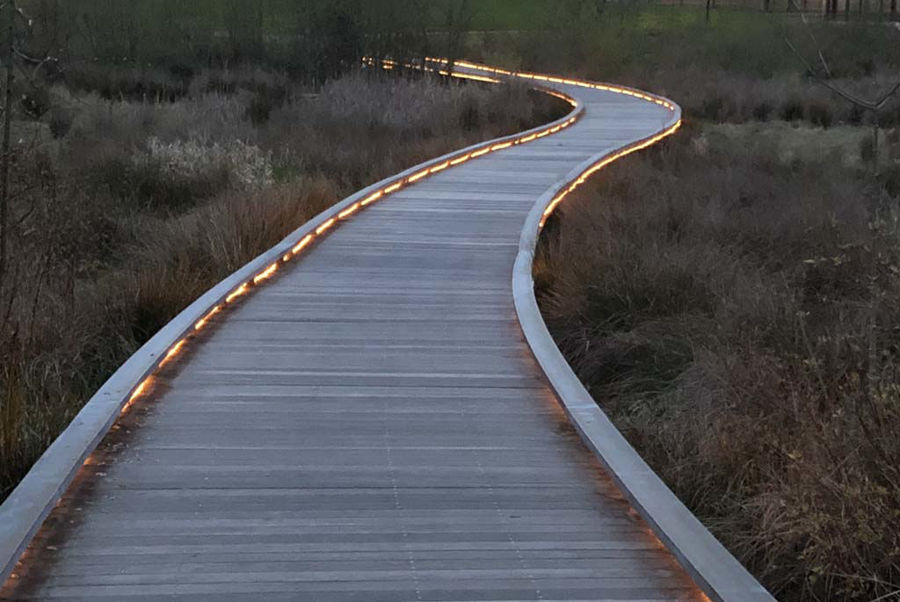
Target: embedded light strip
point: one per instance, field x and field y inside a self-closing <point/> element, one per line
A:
<point x="177" y="348"/>
<point x="559" y="80"/>
<point x="270" y="271"/>
<point x="322" y="229"/>
<point x="581" y="179"/>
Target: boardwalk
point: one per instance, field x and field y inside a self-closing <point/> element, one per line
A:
<point x="370" y="425"/>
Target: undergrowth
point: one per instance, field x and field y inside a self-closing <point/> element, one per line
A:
<point x="736" y="316"/>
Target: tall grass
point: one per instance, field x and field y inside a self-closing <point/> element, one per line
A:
<point x="736" y="316"/>
<point x="135" y="208"/>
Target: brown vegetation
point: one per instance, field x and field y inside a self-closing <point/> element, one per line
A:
<point x="737" y="317"/>
<point x="127" y="210"/>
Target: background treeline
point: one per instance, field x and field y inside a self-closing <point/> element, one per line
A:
<point x="312" y="40"/>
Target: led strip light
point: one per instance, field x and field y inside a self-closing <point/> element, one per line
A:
<point x="181" y="342"/>
<point x="178" y="348"/>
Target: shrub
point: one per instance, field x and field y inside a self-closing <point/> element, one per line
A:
<point x="792" y="110"/>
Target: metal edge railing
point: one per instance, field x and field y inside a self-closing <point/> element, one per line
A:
<point x="31" y="502"/>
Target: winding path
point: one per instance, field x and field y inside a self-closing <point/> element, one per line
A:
<point x="370" y="424"/>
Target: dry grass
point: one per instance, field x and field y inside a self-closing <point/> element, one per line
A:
<point x="126" y="211"/>
<point x="737" y="318"/>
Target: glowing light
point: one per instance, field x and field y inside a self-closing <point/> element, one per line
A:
<point x="245" y="288"/>
<point x="325" y="226"/>
<point x="440" y="167"/>
<point x="372" y="198"/>
<point x="478" y="78"/>
<point x="175" y="350"/>
<point x="138" y="391"/>
<point x="349" y="211"/>
<point x="551" y="207"/>
<point x="266" y="274"/>
<point x="571" y="82"/>
<point x="302" y="244"/>
<point x="205" y="319"/>
<point x="238" y="292"/>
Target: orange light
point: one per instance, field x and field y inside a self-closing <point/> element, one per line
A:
<point x="551" y="207"/>
<point x="324" y="227"/>
<point x="142" y="388"/>
<point x="205" y="319"/>
<point x="372" y="198"/>
<point x="239" y="291"/>
<point x="138" y="391"/>
<point x="478" y="78"/>
<point x="175" y="350"/>
<point x="266" y="274"/>
<point x="440" y="167"/>
<point x="302" y="244"/>
<point x="349" y="211"/>
<point x="570" y="82"/>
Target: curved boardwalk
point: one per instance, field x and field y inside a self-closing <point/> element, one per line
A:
<point x="369" y="426"/>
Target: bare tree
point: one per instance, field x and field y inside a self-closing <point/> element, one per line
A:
<point x="15" y="59"/>
<point x="821" y="73"/>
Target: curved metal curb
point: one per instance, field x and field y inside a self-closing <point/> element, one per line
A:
<point x="712" y="567"/>
<point x="29" y="504"/>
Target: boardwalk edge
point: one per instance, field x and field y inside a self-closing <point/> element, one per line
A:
<point x="31" y="502"/>
<point x="710" y="564"/>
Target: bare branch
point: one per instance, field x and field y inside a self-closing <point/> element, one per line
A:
<point x="825" y="81"/>
<point x="812" y="37"/>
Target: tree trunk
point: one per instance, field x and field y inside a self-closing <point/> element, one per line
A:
<point x="708" y="6"/>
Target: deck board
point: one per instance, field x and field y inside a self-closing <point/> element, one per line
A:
<point x="369" y="426"/>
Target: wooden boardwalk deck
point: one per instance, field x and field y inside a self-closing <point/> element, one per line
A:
<point x="370" y="425"/>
